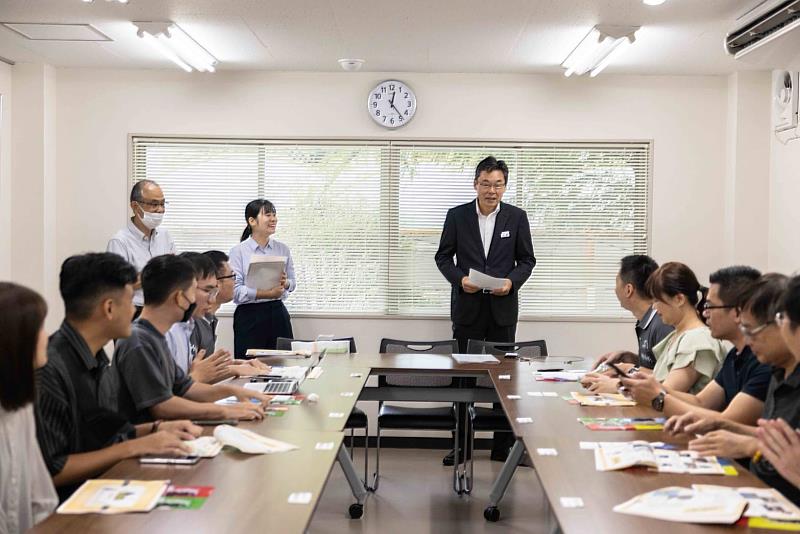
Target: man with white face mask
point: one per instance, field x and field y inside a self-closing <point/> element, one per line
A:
<point x="142" y="239"/>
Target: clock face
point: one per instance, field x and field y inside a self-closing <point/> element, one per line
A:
<point x="392" y="104"/>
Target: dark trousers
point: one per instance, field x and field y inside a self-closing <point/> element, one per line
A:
<point x="258" y="326"/>
<point x="485" y="329"/>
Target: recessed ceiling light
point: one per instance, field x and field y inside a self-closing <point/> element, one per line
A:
<point x="654" y="2"/>
<point x="36" y="31"/>
<point x="351" y="65"/>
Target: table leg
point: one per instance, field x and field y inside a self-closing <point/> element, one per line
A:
<point x="500" y="486"/>
<point x="356" y="510"/>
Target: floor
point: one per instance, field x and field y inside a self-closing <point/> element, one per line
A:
<point x="416" y="497"/>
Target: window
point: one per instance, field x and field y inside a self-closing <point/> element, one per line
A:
<point x="363" y="219"/>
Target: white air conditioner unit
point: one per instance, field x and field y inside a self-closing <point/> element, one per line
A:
<point x="768" y="35"/>
<point x="784" y="100"/>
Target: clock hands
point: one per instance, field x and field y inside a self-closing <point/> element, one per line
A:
<point x="391" y="103"/>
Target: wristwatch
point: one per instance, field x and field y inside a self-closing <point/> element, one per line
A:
<point x="658" y="402"/>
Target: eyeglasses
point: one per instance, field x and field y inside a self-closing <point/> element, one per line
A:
<point x="226" y="277"/>
<point x="708" y="306"/>
<point x="752" y="332"/>
<point x="212" y="291"/>
<point x="153" y="204"/>
<point x="780" y="318"/>
<point x="487" y="186"/>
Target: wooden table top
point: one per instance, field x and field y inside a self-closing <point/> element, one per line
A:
<point x="250" y="491"/>
<point x="572" y="473"/>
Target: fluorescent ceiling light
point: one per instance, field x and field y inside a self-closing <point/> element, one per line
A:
<point x="654" y="2"/>
<point x="598" y="49"/>
<point x="176" y="45"/>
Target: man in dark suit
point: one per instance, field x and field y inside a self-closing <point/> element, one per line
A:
<point x="494" y="238"/>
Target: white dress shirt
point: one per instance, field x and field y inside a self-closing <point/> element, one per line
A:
<point x="239" y="261"/>
<point x="138" y="248"/>
<point x="180" y="344"/>
<point x="486" y="226"/>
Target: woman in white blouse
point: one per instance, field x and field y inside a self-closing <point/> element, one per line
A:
<point x="27" y="494"/>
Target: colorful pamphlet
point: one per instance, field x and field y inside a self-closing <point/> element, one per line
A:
<point x="764" y="503"/>
<point x="114" y="497"/>
<point x="185" y="497"/>
<point x="602" y="399"/>
<point x="686" y="505"/>
<point x="623" y="423"/>
<point x="660" y="457"/>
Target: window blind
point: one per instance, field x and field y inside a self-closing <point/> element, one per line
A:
<point x="363" y="219"/>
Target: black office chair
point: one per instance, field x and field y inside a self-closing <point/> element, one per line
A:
<point x="481" y="419"/>
<point x="405" y="418"/>
<point x="285" y="343"/>
<point x="358" y="418"/>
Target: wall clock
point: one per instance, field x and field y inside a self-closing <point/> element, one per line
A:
<point x="392" y="104"/>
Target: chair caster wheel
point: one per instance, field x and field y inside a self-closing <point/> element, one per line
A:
<point x="492" y="513"/>
<point x="356" y="511"/>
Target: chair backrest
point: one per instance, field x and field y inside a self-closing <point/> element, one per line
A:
<point x="285" y="343"/>
<point x="399" y="346"/>
<point x="526" y="349"/>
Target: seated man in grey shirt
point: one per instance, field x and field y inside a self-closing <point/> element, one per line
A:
<point x="142" y="239"/>
<point x="152" y="386"/>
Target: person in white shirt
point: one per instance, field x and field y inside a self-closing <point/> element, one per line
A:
<point x="27" y="495"/>
<point x="142" y="239"/>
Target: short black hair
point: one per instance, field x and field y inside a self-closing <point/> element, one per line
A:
<point x="492" y="164"/>
<point x="202" y="264"/>
<point x="219" y="258"/>
<point x="790" y="301"/>
<point x="635" y="270"/>
<point x="86" y="278"/>
<point x="136" y="190"/>
<point x="22" y="313"/>
<point x="762" y="298"/>
<point x="732" y="282"/>
<point x="163" y="275"/>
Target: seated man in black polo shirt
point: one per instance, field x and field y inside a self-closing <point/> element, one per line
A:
<point x="78" y="428"/>
<point x="631" y="291"/>
<point x="152" y="386"/>
<point x="721" y="437"/>
<point x="738" y="391"/>
<point x="779" y="441"/>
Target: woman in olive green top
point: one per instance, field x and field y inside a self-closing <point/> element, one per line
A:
<point x="688" y="358"/>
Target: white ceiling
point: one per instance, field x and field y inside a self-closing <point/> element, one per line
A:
<point x="521" y="36"/>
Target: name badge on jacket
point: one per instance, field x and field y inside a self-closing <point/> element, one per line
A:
<point x="505" y="233"/>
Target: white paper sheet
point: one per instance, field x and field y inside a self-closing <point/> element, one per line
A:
<point x="265" y="271"/>
<point x="475" y="358"/>
<point x="484" y="281"/>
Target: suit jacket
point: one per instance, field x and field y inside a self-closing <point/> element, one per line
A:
<point x="509" y="257"/>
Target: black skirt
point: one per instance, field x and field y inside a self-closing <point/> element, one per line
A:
<point x="257" y="326"/>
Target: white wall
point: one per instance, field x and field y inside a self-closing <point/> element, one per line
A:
<point x="784" y="215"/>
<point x="5" y="172"/>
<point x="684" y="116"/>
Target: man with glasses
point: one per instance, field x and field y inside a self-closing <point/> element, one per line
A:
<point x="494" y="238"/>
<point x="202" y="367"/>
<point x="738" y="390"/>
<point x="141" y="239"/>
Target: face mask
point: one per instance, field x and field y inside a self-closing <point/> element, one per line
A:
<point x="152" y="220"/>
<point x="187" y="313"/>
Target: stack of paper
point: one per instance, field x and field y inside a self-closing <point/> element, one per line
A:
<point x="341" y="346"/>
<point x="484" y="281"/>
<point x="114" y="497"/>
<point x="686" y="505"/>
<point x="256" y="353"/>
<point x="559" y="376"/>
<point x="296" y="372"/>
<point x="265" y="271"/>
<point x="250" y="442"/>
<point x="602" y="399"/>
<point x="610" y="456"/>
<point x="475" y="358"/>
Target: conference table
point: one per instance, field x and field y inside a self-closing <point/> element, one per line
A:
<point x="251" y="492"/>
